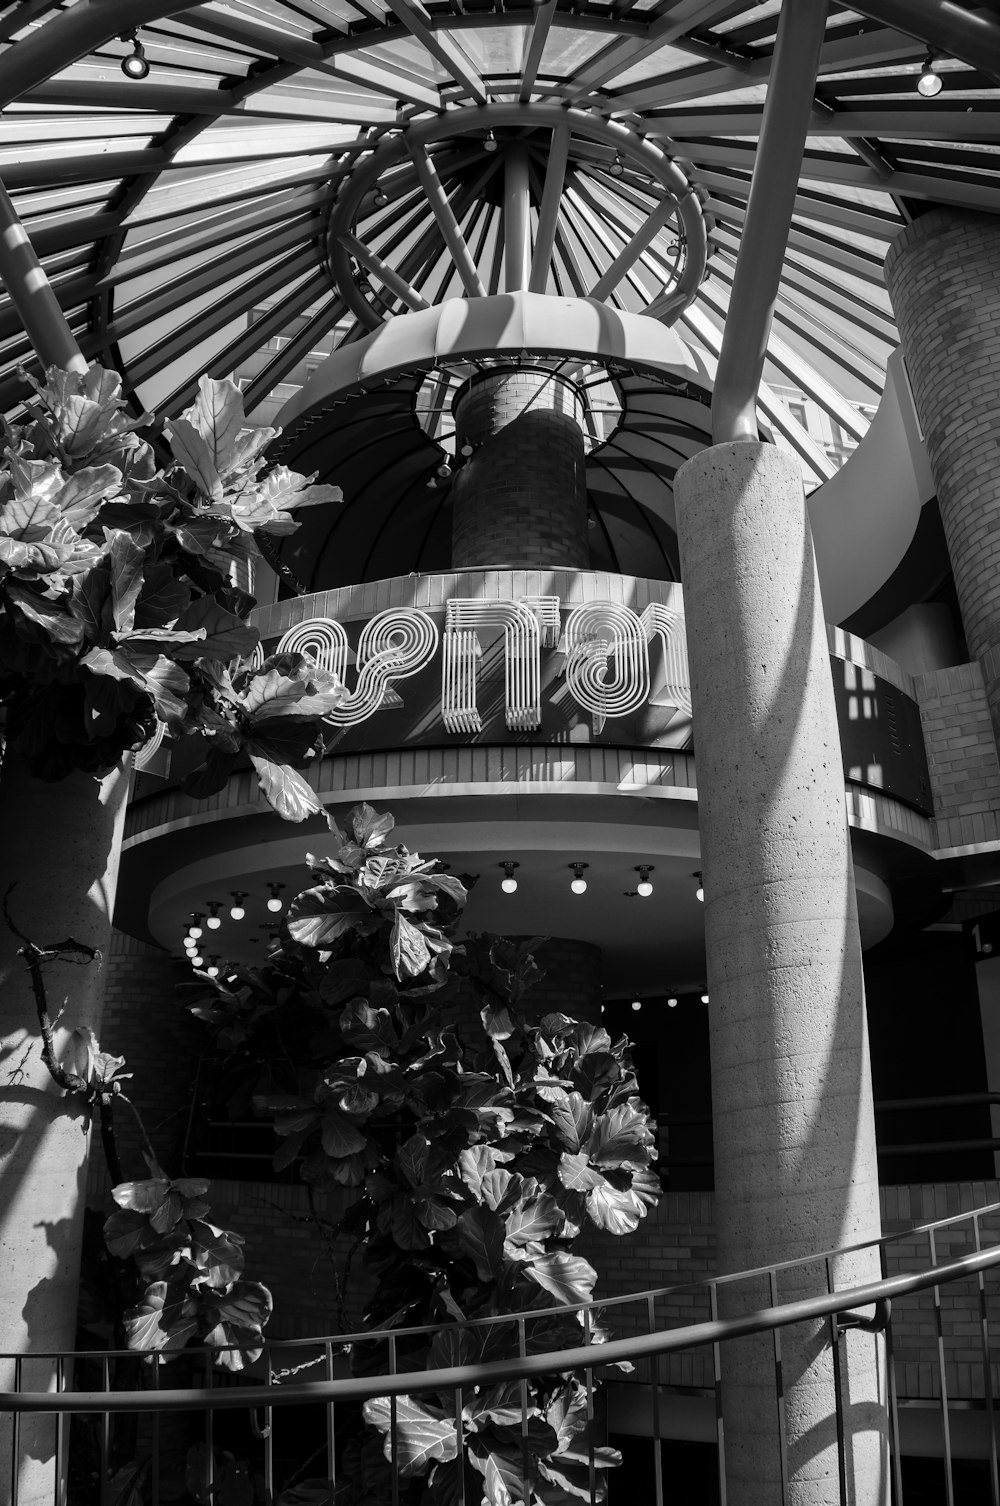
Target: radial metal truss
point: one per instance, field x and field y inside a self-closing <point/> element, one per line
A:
<point x="292" y="172"/>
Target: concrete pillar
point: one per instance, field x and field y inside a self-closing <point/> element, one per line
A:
<point x="520" y="501"/>
<point x="59" y="851"/>
<point x="943" y="276"/>
<point x="793" y="1123"/>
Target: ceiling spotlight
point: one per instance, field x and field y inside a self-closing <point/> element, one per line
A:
<point x="699" y="893"/>
<point x="617" y="167"/>
<point x="380" y="199"/>
<point x="274" y="903"/>
<point x="644" y="887"/>
<point x="194" y="929"/>
<point x="579" y="884"/>
<point x="238" y="912"/>
<point x="637" y="1004"/>
<point x="509" y="883"/>
<point x="213" y="967"/>
<point x="671" y="1002"/>
<point x="491" y="143"/>
<point x="214" y="920"/>
<point x="134" y="63"/>
<point x="444" y="470"/>
<point x="467" y="448"/>
<point x="930" y="81"/>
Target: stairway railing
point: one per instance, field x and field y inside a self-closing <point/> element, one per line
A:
<point x="868" y="1306"/>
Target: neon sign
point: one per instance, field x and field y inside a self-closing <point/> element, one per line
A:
<point x="616" y="659"/>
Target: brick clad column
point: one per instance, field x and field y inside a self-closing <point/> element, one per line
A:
<point x="943" y="276"/>
<point x="520" y="501"/>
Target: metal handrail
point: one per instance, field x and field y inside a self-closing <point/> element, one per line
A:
<point x="643" y="1346"/>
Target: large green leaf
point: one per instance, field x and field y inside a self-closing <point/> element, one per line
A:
<point x="423" y="1432"/>
<point x="537" y="1219"/>
<point x="165" y="1318"/>
<point x="576" y="1172"/>
<point x="480" y="1234"/>
<point x="56" y="619"/>
<point x="238" y="1319"/>
<point x="319" y="917"/>
<point x="125" y="561"/>
<point x="411" y="1159"/>
<point x="621" y="1137"/>
<point x="570" y="1114"/>
<point x="286" y="791"/>
<point x="192" y="452"/>
<point x="217" y="414"/>
<point x="340" y="1136"/>
<point x="226" y="635"/>
<point x="569" y="1278"/>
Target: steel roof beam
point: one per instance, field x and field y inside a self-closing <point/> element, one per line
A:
<point x="971" y="36"/>
<point x="418" y="20"/>
<point x="534" y="46"/>
<point x="785" y="123"/>
<point x="32" y="295"/>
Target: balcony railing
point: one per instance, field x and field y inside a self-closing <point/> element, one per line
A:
<point x="265" y="1403"/>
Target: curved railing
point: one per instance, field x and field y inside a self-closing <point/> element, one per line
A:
<point x="841" y="1307"/>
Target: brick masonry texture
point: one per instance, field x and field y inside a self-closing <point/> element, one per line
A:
<point x="145" y="1022"/>
<point x="520" y="501"/>
<point x="675" y="1245"/>
<point x="958" y="739"/>
<point x="943" y="276"/>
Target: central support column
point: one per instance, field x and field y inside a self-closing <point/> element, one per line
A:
<point x="520" y="501"/>
<point x="793" y="1122"/>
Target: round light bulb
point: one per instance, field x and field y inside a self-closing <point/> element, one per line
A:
<point x="237" y="912"/>
<point x="509" y="885"/>
<point x="194" y="932"/>
<point x="699" y="893"/>
<point x="929" y="83"/>
<point x="671" y="1003"/>
<point x="579" y="886"/>
<point x="214" y="922"/>
<point x="134" y="65"/>
<point x="644" y="887"/>
<point x="197" y="961"/>
<point x="704" y="998"/>
<point x="274" y="904"/>
<point x="636" y="1004"/>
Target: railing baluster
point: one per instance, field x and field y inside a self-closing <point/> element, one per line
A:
<point x="61" y="1424"/>
<point x="838" y="1399"/>
<point x="331" y="1435"/>
<point x="209" y="1432"/>
<point x="890" y="1371"/>
<point x="654" y="1396"/>
<point x="156" y="1437"/>
<point x="460" y="1446"/>
<point x="393" y="1460"/>
<point x="984" y="1328"/>
<point x="720" y="1431"/>
<point x="591" y="1471"/>
<point x="105" y="1443"/>
<point x="949" y="1483"/>
<point x="522" y="1349"/>
<point x="779" y="1387"/>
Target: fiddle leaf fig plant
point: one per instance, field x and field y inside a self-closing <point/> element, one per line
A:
<point x="475" y="1140"/>
<point x="117" y="607"/>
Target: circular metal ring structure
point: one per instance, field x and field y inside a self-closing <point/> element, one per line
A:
<point x="502" y="169"/>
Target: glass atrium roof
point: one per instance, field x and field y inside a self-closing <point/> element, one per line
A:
<point x="293" y="172"/>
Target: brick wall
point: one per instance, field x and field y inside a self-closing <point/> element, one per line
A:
<point x="943" y="276"/>
<point x="676" y="1244"/>
<point x="961" y="753"/>
<point x="145" y="1023"/>
<point x="520" y="501"/>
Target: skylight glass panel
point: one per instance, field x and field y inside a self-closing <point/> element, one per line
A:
<point x="664" y="60"/>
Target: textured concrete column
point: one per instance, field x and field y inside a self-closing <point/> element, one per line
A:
<point x="60" y="850"/>
<point x="793" y="1123"/>
<point x="520" y="501"/>
<point x="943" y="276"/>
